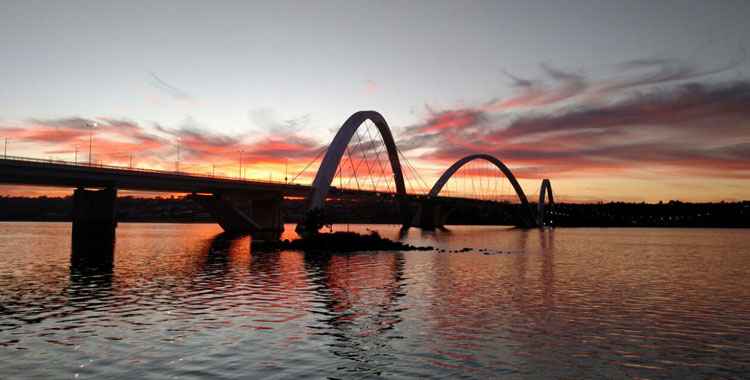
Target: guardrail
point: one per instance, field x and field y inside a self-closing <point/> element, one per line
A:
<point x="172" y="172"/>
<point x="143" y="170"/>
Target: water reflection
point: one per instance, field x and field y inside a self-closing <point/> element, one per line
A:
<point x="223" y="254"/>
<point x="186" y="300"/>
<point x="92" y="260"/>
<point x="547" y="252"/>
<point x="353" y="297"/>
<point x="91" y="274"/>
<point x="359" y="297"/>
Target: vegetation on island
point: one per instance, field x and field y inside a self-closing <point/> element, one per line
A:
<point x="338" y="242"/>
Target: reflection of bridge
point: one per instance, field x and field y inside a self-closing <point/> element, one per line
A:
<point x="242" y="206"/>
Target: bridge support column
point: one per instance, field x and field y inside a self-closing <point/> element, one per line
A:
<point x="94" y="216"/>
<point x="266" y="212"/>
<point x="256" y="214"/>
<point x="430" y="215"/>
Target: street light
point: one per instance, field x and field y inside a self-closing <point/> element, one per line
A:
<point x="91" y="139"/>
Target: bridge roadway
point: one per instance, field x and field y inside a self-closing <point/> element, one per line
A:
<point x="240" y="206"/>
<point x="25" y="171"/>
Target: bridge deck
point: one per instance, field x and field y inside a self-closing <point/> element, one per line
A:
<point x="25" y="171"/>
<point x="64" y="174"/>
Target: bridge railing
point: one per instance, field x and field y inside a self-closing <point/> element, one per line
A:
<point x="205" y="176"/>
<point x="85" y="164"/>
<point x="142" y="170"/>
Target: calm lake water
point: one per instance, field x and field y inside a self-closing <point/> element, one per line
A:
<point x="181" y="301"/>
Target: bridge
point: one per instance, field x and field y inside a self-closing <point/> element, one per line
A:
<point x="255" y="206"/>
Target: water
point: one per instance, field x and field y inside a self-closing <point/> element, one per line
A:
<point x="176" y="301"/>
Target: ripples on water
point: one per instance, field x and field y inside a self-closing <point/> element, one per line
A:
<point x="184" y="301"/>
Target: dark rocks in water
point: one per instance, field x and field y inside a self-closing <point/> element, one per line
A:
<point x="462" y="250"/>
<point x="339" y="242"/>
<point x="502" y="252"/>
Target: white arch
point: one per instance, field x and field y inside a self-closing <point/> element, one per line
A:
<point x="336" y="150"/>
<point x="545" y="190"/>
<point x="527" y="217"/>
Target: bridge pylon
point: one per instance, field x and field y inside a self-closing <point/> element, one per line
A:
<point x="258" y="214"/>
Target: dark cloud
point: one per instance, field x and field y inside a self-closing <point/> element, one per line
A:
<point x="67" y="123"/>
<point x="75" y="129"/>
<point x="734" y="151"/>
<point x="661" y="70"/>
<point x="117" y="140"/>
<point x="682" y="107"/>
<point x="677" y="127"/>
<point x="169" y="89"/>
<point x="519" y="82"/>
<point x="534" y="93"/>
<point x="201" y="144"/>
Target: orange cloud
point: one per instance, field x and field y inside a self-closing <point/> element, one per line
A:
<point x="698" y="129"/>
<point x="693" y="129"/>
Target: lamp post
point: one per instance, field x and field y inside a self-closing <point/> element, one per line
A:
<point x="75" y="155"/>
<point x="91" y="140"/>
<point x="5" y="149"/>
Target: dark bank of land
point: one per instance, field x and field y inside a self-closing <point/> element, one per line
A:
<point x="338" y="242"/>
<point x="613" y="214"/>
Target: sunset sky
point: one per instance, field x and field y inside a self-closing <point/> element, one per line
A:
<point x="611" y="100"/>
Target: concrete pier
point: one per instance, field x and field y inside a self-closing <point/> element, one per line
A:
<point x="258" y="214"/>
<point x="94" y="215"/>
<point x="431" y="214"/>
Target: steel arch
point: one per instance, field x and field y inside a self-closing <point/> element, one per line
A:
<point x="529" y="220"/>
<point x="544" y="192"/>
<point x="327" y="171"/>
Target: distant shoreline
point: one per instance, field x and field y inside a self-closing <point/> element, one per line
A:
<point x="180" y="221"/>
<point x="673" y="214"/>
